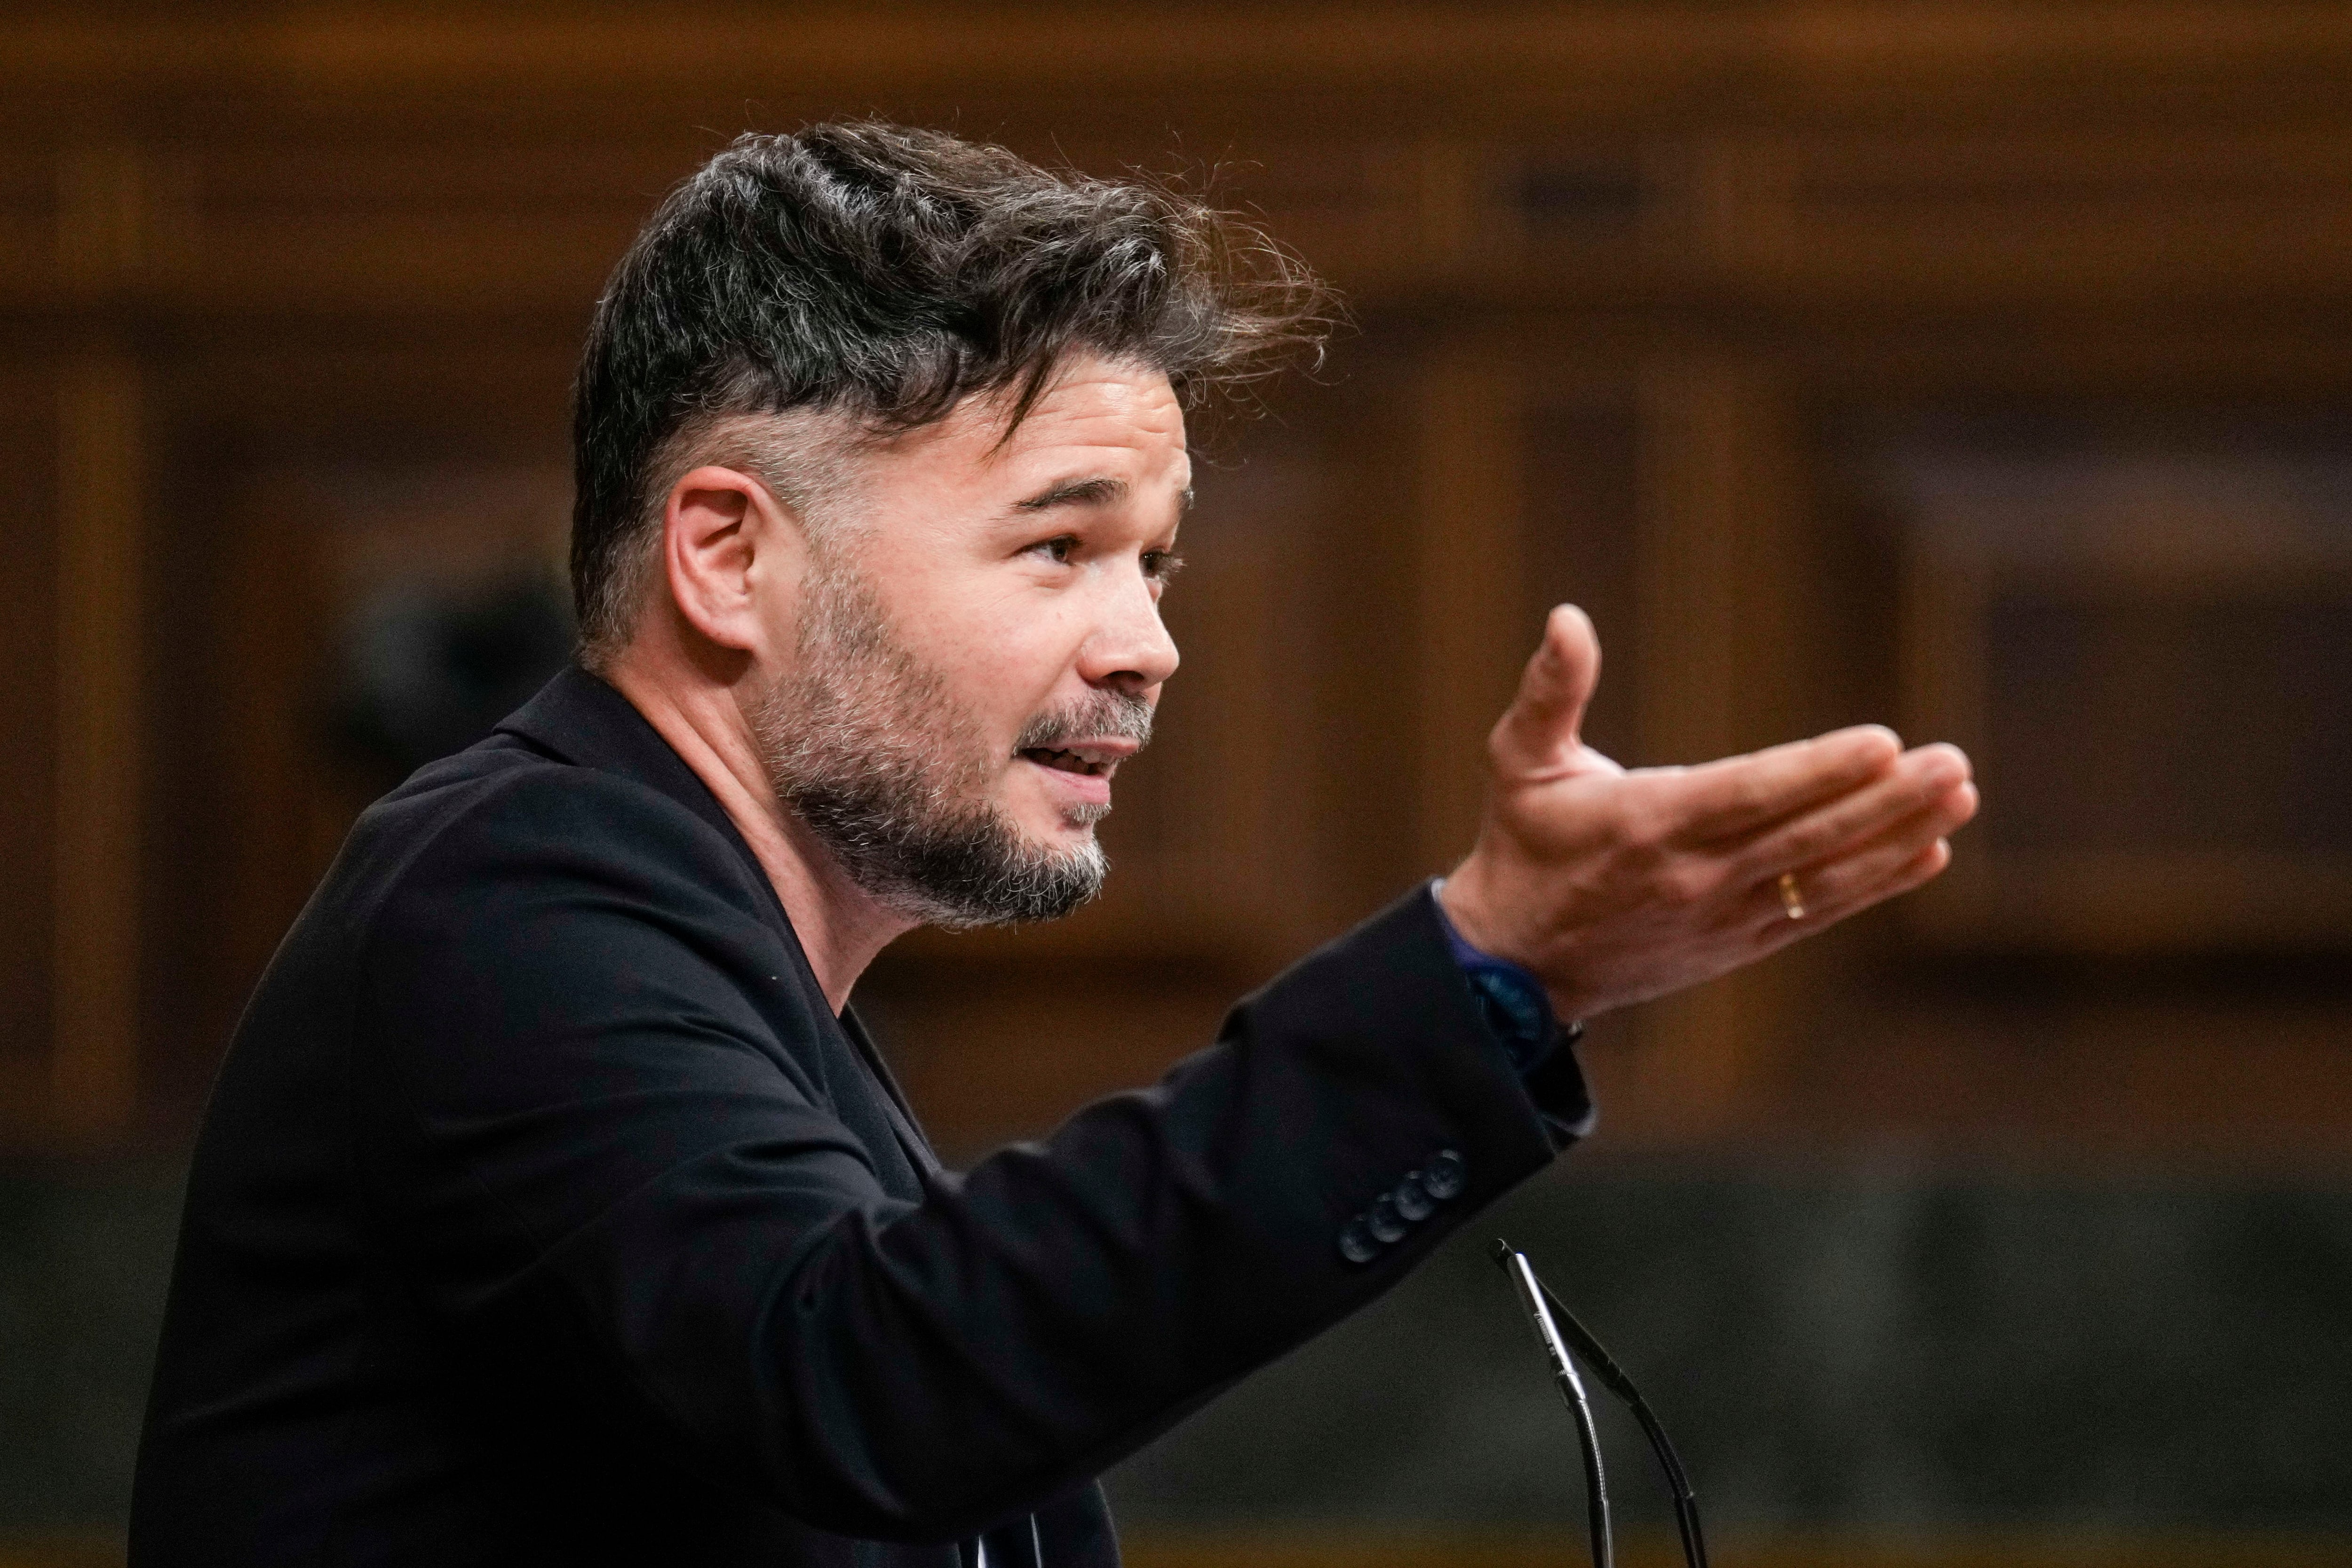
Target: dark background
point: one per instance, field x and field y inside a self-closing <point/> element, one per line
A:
<point x="1979" y="368"/>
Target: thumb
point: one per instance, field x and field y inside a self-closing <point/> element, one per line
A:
<point x="1541" y="728"/>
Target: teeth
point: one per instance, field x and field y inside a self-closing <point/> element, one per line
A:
<point x="1068" y="761"/>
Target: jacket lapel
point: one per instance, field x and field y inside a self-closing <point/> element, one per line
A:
<point x="902" y="1115"/>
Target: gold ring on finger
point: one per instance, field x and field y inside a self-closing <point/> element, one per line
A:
<point x="1792" y="898"/>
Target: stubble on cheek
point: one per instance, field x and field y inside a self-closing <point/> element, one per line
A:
<point x="860" y="715"/>
<point x="865" y="742"/>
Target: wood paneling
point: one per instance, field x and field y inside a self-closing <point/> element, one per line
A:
<point x="101" y="616"/>
<point x="1467" y="655"/>
<point x="1719" y="605"/>
<point x="298" y="461"/>
<point x="2157" y="680"/>
<point x="30" y="409"/>
<point x="250" y="259"/>
<point x="1799" y="59"/>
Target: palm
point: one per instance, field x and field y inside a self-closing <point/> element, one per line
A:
<point x="1615" y="886"/>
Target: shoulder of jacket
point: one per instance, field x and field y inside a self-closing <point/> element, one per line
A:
<point x="505" y="812"/>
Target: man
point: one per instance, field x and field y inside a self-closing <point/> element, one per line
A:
<point x="553" y="1207"/>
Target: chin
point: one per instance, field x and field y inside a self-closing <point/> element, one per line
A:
<point x="1066" y="836"/>
<point x="1057" y="823"/>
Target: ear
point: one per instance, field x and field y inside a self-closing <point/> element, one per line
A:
<point x="729" y="549"/>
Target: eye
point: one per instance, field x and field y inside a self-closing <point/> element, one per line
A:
<point x="1058" y="550"/>
<point x="1161" y="564"/>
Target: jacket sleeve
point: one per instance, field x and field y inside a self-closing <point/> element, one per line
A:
<point x="593" y="1128"/>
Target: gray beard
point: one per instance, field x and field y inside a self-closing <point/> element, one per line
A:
<point x="863" y="743"/>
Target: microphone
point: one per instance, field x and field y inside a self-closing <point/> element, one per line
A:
<point x="1571" y="1389"/>
<point x="1557" y="1327"/>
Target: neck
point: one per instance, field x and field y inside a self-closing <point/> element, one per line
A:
<point x="841" y="928"/>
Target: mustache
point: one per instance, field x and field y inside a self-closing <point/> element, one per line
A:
<point x="1120" y="715"/>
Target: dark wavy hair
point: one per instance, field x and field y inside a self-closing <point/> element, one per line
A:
<point x="885" y="274"/>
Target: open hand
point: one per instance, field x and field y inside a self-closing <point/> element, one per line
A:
<point x="1615" y="886"/>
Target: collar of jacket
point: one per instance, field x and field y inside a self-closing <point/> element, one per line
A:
<point x="578" y="718"/>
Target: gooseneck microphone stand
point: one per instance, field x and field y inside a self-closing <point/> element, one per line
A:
<point x="1557" y="1327"/>
<point x="1571" y="1388"/>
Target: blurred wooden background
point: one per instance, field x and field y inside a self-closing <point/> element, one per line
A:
<point x="1977" y="367"/>
<point x="1984" y="368"/>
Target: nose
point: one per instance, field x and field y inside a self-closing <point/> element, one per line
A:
<point x="1129" y="645"/>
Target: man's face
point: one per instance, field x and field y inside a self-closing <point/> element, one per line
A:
<point x="975" y="653"/>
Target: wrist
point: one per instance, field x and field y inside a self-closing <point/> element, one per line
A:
<point x="1465" y="900"/>
<point x="1517" y="1005"/>
<point x="1461" y="895"/>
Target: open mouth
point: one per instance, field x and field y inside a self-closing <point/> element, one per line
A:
<point x="1067" y="761"/>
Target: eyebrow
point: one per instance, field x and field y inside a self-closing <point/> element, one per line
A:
<point x="1100" y="491"/>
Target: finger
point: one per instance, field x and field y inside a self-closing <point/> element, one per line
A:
<point x="1540" y="730"/>
<point x="1920" y="780"/>
<point x="1739" y="796"/>
<point x="1868" y="880"/>
<point x="1890" y="865"/>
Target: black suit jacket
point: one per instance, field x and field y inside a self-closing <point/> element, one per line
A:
<point x="543" y="1211"/>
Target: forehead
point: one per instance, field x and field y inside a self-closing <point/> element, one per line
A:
<point x="1095" y="402"/>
